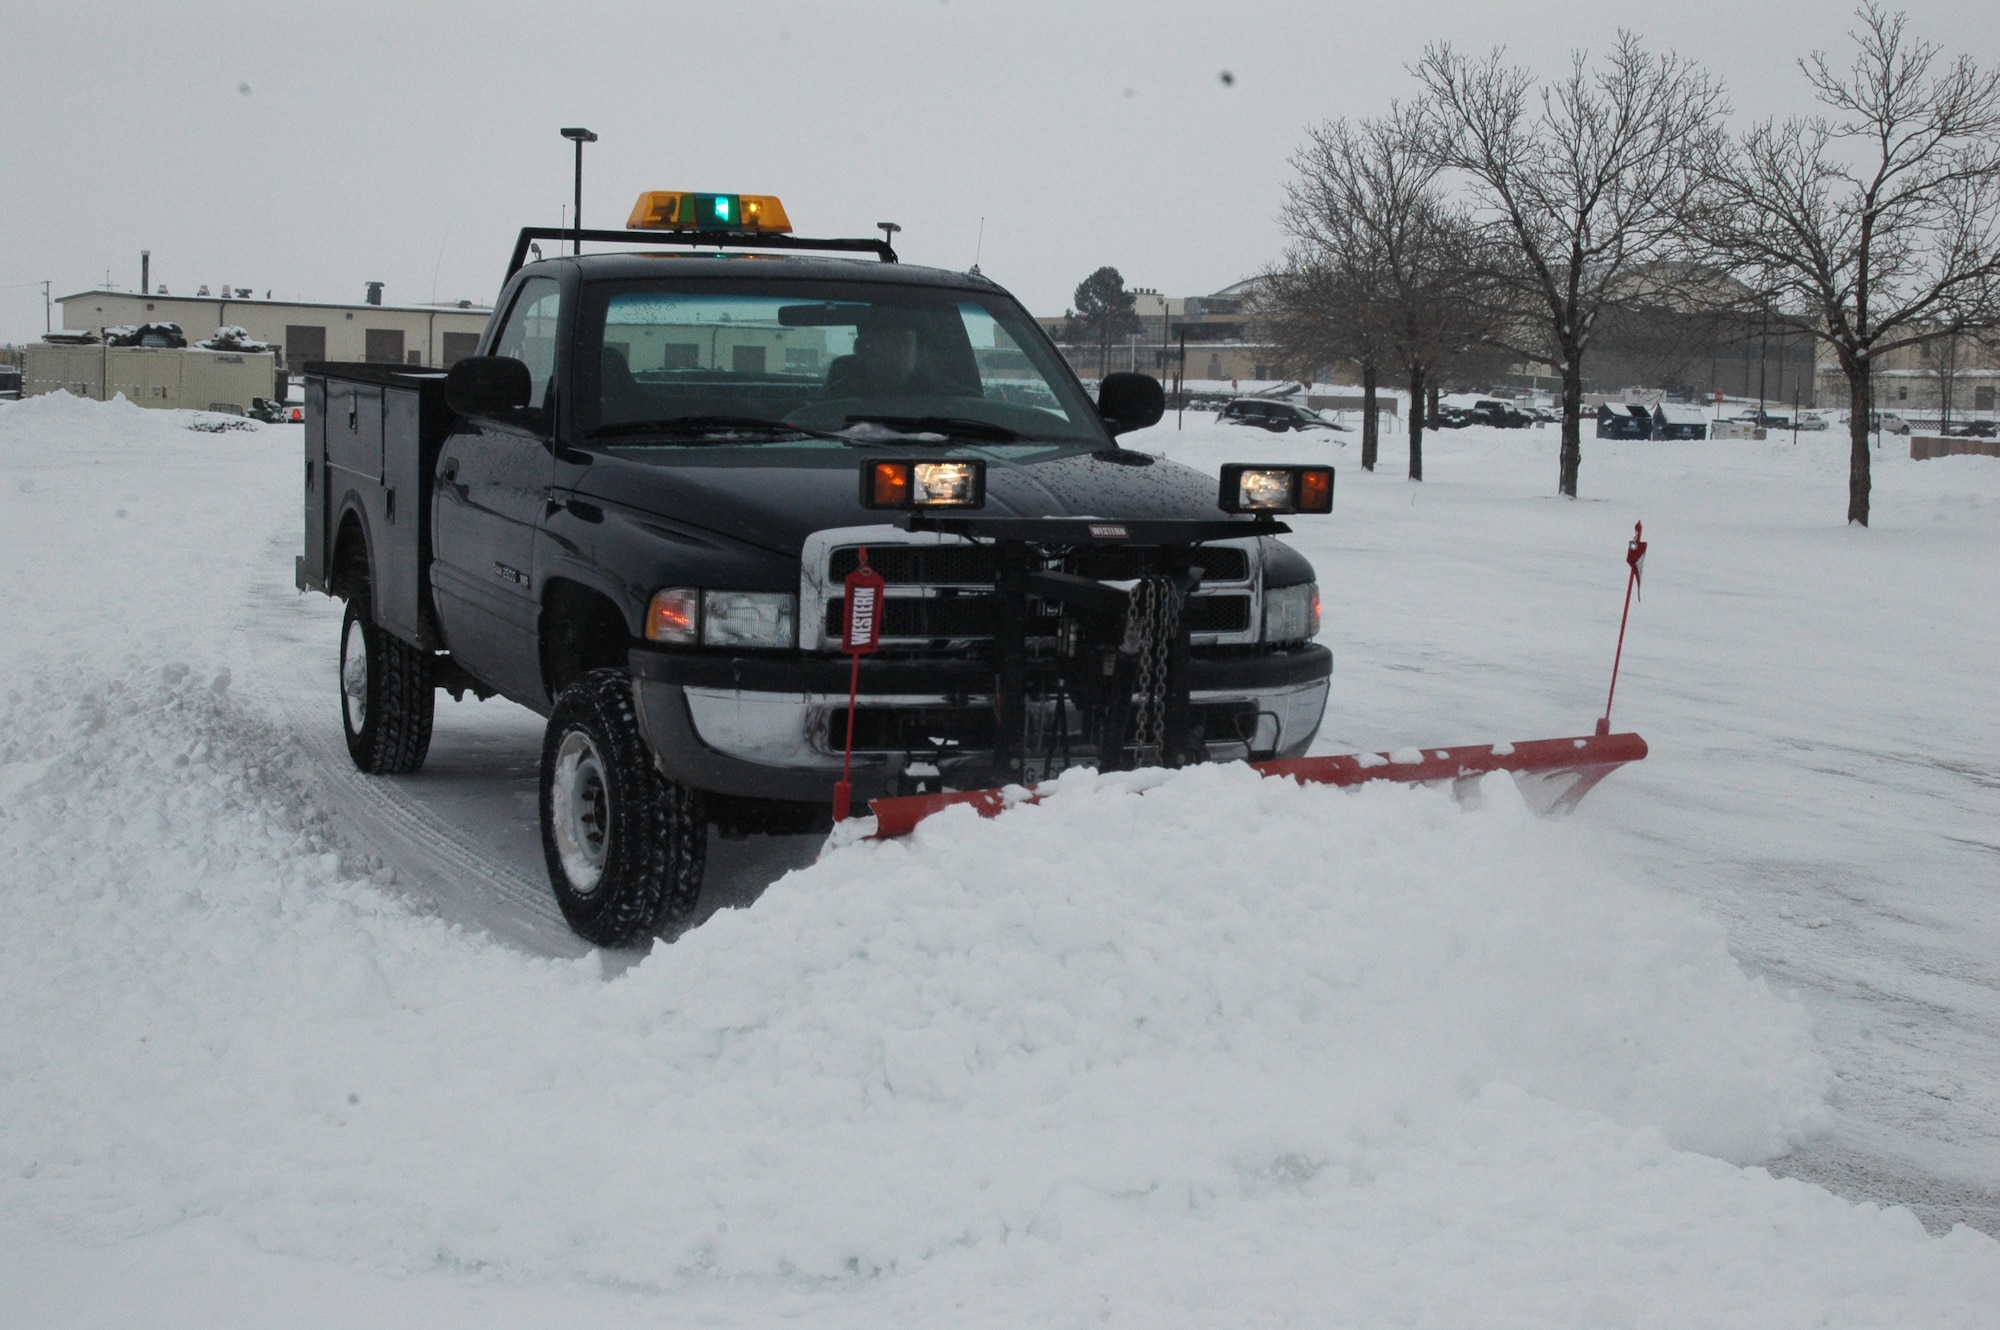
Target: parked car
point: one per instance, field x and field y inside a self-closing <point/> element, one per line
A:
<point x="1973" y="429"/>
<point x="1277" y="417"/>
<point x="1888" y="422"/>
<point x="1501" y="415"/>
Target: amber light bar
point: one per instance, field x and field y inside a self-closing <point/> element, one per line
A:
<point x="683" y="210"/>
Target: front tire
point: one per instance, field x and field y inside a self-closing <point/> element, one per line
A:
<point x="625" y="845"/>
<point x="388" y="695"/>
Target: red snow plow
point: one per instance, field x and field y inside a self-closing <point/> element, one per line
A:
<point x="1113" y="670"/>
<point x="1552" y="774"/>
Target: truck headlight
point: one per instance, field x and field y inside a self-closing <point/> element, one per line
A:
<point x="1291" y="613"/>
<point x="760" y="619"/>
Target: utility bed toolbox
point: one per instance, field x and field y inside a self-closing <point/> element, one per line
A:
<point x="371" y="447"/>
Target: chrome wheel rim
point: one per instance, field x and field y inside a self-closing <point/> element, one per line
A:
<point x="354" y="676"/>
<point x="580" y="808"/>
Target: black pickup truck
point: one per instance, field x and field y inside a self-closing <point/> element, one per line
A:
<point x="633" y="512"/>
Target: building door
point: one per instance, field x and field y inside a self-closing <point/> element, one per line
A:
<point x="303" y="342"/>
<point x="383" y="346"/>
<point x="455" y="347"/>
<point x="493" y="481"/>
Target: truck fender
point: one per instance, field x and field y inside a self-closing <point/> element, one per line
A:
<point x="350" y="530"/>
<point x="581" y="628"/>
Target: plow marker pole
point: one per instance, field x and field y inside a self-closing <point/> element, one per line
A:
<point x="1539" y="766"/>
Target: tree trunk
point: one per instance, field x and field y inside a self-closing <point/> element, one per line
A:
<point x="1432" y="418"/>
<point x="1370" y="426"/>
<point x="1861" y="404"/>
<point x="1416" y="422"/>
<point x="1572" y="444"/>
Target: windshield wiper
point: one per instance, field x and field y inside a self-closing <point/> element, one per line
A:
<point x="716" y="425"/>
<point x="958" y="426"/>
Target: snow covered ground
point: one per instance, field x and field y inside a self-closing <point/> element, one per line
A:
<point x="288" y="1046"/>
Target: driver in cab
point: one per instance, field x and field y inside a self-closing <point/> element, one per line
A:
<point x="888" y="361"/>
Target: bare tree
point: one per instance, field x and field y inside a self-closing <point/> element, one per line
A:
<point x="1584" y="182"/>
<point x="1876" y="227"/>
<point x="1318" y="314"/>
<point x="1941" y="359"/>
<point x="1366" y="202"/>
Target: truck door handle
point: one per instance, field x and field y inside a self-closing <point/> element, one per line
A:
<point x="450" y="469"/>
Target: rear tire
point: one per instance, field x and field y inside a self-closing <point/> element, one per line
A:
<point x="388" y="694"/>
<point x="625" y="846"/>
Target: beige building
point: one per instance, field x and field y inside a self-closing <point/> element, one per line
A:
<point x="1219" y="330"/>
<point x="432" y="335"/>
<point x="1961" y="375"/>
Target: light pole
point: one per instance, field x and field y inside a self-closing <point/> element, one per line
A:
<point x="578" y="136"/>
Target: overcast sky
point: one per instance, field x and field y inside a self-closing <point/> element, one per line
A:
<point x="307" y="149"/>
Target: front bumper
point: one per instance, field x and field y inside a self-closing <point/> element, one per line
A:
<point x="770" y="727"/>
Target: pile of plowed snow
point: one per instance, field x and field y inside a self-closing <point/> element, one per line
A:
<point x="1208" y="1047"/>
<point x="1222" y="1010"/>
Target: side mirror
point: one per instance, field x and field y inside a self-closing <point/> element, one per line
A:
<point x="1130" y="401"/>
<point x="492" y="387"/>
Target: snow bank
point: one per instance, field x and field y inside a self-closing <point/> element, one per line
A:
<point x="1227" y="1051"/>
<point x="1226" y="1020"/>
<point x="62" y="419"/>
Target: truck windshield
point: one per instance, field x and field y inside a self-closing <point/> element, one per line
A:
<point x="754" y="357"/>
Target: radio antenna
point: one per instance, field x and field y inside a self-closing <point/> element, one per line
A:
<point x="979" y="247"/>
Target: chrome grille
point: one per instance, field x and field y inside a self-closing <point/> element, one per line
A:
<point x="940" y="587"/>
<point x="952" y="565"/>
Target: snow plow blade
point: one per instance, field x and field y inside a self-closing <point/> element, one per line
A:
<point x="1553" y="775"/>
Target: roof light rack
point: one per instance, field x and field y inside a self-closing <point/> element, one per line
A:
<point x="698" y="240"/>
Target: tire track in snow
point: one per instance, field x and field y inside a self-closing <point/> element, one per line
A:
<point x="286" y="638"/>
<point x="456" y="838"/>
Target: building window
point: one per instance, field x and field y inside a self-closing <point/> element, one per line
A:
<point x="382" y="346"/>
<point x="1982" y="399"/>
<point x="302" y="343"/>
<point x="1902" y="394"/>
<point x="457" y="346"/>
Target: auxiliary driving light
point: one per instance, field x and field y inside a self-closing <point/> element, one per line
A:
<point x="923" y="485"/>
<point x="1276" y="489"/>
